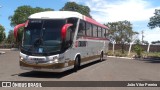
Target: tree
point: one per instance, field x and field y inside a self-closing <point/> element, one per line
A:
<point x="10" y="38"/>
<point x="121" y="32"/>
<point x="145" y="42"/>
<point x="155" y="42"/>
<point x="21" y="14"/>
<point x="155" y="20"/>
<point x="72" y="6"/>
<point x="138" y="49"/>
<point x="2" y="33"/>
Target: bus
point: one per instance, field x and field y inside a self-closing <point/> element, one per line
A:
<point x="56" y="41"/>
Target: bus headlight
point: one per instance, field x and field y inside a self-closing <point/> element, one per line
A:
<point x="21" y="58"/>
<point x="55" y="59"/>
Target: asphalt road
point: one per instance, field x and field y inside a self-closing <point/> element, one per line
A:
<point x="112" y="69"/>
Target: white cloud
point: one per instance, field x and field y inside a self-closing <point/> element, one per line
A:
<point x="132" y="10"/>
<point x="152" y="35"/>
<point x="118" y="10"/>
<point x="136" y="11"/>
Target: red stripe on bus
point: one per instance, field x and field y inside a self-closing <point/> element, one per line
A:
<point x="94" y="22"/>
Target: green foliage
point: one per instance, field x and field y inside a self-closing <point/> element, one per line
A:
<point x="22" y="13"/>
<point x="121" y="32"/>
<point x="138" y="49"/>
<point x="153" y="54"/>
<point x="110" y="53"/>
<point x="20" y="35"/>
<point x="2" y="33"/>
<point x="72" y="6"/>
<point x="145" y="42"/>
<point x="117" y="53"/>
<point x="154" y="42"/>
<point x="10" y="38"/>
<point x="155" y="20"/>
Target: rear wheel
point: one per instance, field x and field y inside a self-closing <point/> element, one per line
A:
<point x="101" y="56"/>
<point x="76" y="64"/>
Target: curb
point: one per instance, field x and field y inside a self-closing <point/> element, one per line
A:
<point x="12" y="49"/>
<point x="2" y="52"/>
<point x="120" y="57"/>
<point x="5" y="49"/>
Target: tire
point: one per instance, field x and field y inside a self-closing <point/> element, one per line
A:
<point x="76" y="64"/>
<point x="101" y="56"/>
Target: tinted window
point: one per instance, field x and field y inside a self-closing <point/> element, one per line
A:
<point x="94" y="31"/>
<point x="89" y="29"/>
<point x="43" y="36"/>
<point x="51" y="29"/>
<point x="99" y="32"/>
<point x="81" y="29"/>
<point x="74" y="22"/>
<point x="103" y="33"/>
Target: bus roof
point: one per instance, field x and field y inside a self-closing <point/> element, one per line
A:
<point x="63" y="15"/>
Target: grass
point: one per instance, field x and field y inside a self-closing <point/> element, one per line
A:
<point x="152" y="54"/>
<point x="118" y="53"/>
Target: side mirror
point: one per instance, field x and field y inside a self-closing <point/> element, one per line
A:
<point x="66" y="34"/>
<point x="64" y="30"/>
<point x="16" y="28"/>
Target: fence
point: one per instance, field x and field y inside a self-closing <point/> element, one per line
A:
<point x="153" y="48"/>
<point x="7" y="46"/>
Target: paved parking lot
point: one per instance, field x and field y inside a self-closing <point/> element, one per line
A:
<point x="112" y="69"/>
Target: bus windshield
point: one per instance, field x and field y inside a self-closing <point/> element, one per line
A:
<point x="43" y="36"/>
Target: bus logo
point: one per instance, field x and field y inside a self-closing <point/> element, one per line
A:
<point x="6" y="84"/>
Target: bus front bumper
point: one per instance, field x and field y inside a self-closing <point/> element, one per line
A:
<point x="54" y="67"/>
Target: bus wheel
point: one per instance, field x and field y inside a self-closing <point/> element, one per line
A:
<point x="76" y="64"/>
<point x="101" y="56"/>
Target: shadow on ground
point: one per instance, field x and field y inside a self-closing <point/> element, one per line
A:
<point x="37" y="74"/>
<point x="151" y="60"/>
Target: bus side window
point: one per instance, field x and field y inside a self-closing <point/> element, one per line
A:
<point x="81" y="29"/>
<point x="72" y="21"/>
<point x="104" y="33"/>
<point x="94" y="31"/>
<point x="88" y="29"/>
<point x="69" y="39"/>
<point x="99" y="32"/>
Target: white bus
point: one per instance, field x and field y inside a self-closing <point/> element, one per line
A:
<point x="56" y="41"/>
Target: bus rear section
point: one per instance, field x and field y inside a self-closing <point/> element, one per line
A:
<point x="57" y="41"/>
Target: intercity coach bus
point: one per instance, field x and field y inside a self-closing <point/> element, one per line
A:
<point x="56" y="41"/>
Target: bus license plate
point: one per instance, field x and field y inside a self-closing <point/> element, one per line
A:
<point x="37" y="59"/>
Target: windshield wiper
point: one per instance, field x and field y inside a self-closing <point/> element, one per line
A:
<point x="30" y="48"/>
<point x="36" y="43"/>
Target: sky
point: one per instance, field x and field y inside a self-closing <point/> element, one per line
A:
<point x="137" y="12"/>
